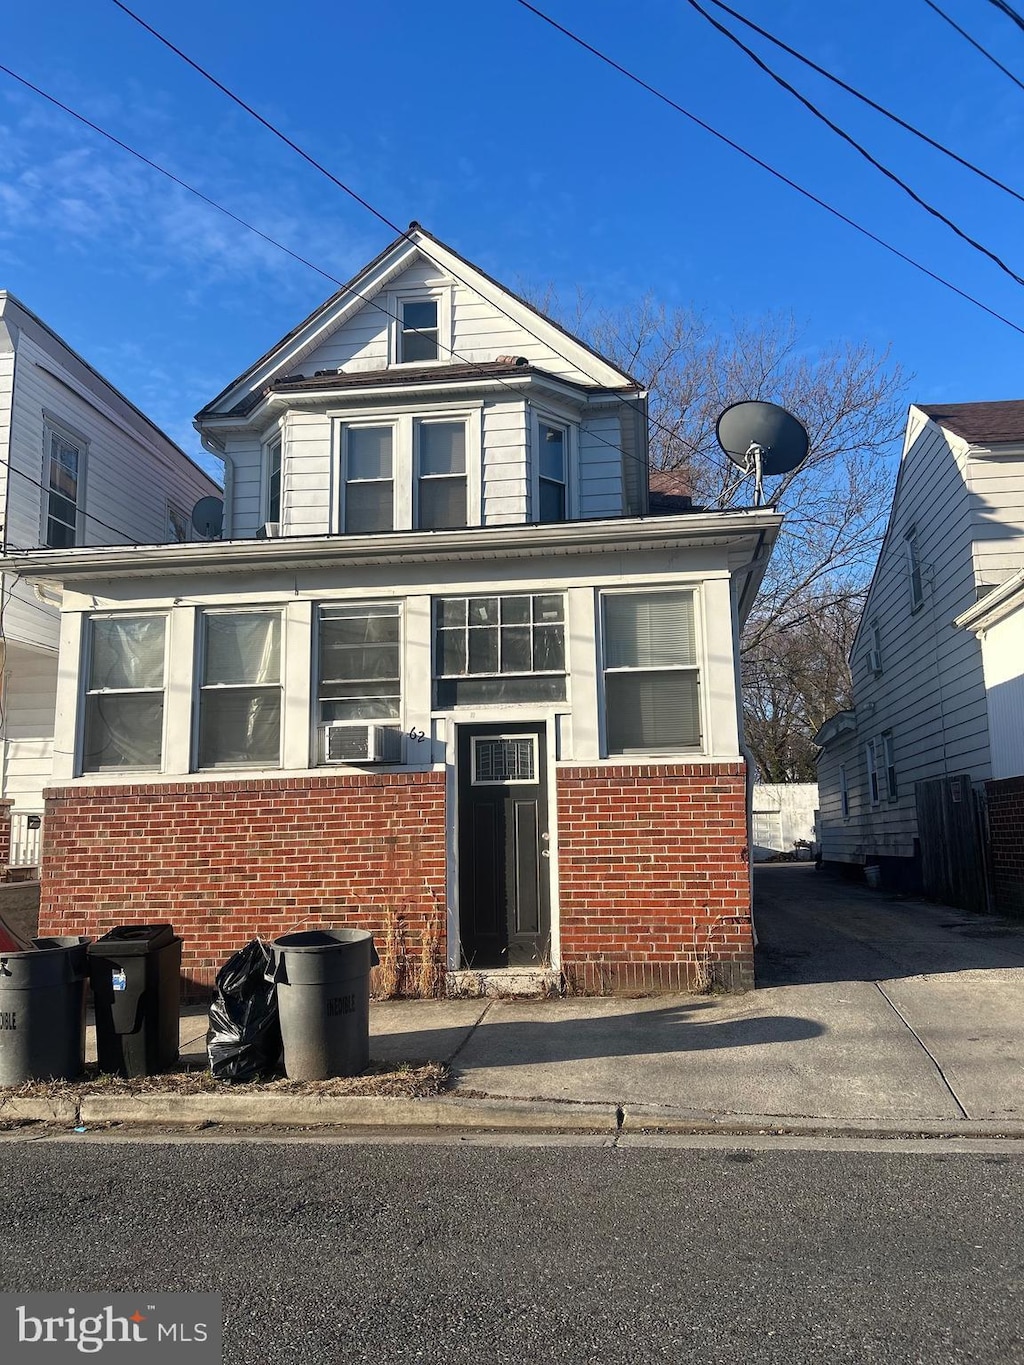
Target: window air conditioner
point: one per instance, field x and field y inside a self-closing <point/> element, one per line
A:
<point x="342" y="743"/>
<point x="875" y="661"/>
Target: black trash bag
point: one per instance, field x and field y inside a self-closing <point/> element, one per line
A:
<point x="244" y="1038"/>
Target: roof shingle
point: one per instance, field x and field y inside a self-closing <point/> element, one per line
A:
<point x="980" y="423"/>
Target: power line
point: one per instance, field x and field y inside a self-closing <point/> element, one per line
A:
<point x="974" y="43"/>
<point x="764" y="165"/>
<point x="866" y="99"/>
<point x="117" y="530"/>
<point x="1009" y="11"/>
<point x="374" y="303"/>
<point x="857" y="146"/>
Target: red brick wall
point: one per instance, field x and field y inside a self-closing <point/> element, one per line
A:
<point x="227" y="861"/>
<point x="653" y="877"/>
<point x="5" y="832"/>
<point x="1006" y="834"/>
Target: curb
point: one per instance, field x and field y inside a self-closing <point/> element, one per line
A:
<point x="349" y="1111"/>
<point x="651" y="1119"/>
<point x="38" y="1111"/>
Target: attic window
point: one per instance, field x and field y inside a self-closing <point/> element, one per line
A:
<point x="418" y="332"/>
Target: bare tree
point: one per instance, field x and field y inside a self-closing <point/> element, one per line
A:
<point x="852" y="401"/>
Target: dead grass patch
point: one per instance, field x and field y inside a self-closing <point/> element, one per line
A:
<point x="407" y="1080"/>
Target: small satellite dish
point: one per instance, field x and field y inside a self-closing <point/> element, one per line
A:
<point x="208" y="517"/>
<point x="762" y="438"/>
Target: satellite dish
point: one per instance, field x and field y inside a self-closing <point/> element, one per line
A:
<point x="762" y="438"/>
<point x="208" y="517"/>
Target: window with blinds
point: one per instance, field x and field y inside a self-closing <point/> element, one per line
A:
<point x="651" y="673"/>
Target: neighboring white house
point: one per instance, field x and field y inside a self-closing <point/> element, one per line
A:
<point x="998" y="622"/>
<point x="783" y="819"/>
<point x="446" y="677"/>
<point x="922" y="711"/>
<point x="79" y="465"/>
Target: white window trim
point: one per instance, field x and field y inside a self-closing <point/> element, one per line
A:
<point x="887" y="743"/>
<point x="198" y="687"/>
<point x="442" y="293"/>
<point x="404" y="458"/>
<point x="873" y="773"/>
<point x="73" y="437"/>
<point x="315" y="723"/>
<point x="84" y="691"/>
<point x="701" y="667"/>
<point x="571" y="428"/>
<point x="271" y="439"/>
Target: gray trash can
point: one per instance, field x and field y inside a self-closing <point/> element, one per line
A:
<point x="42" y="1011"/>
<point x="323" y="995"/>
<point x="135" y="972"/>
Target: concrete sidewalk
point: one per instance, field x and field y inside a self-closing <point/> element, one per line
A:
<point x="942" y="1053"/>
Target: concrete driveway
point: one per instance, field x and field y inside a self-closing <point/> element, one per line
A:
<point x="866" y="1008"/>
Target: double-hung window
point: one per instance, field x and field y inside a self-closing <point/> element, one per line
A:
<point x="871" y="763"/>
<point x="844" y="792"/>
<point x="240" y="689"/>
<point x="889" y="761"/>
<point x="274" y="480"/>
<point x="499" y="649"/>
<point x="552" y="463"/>
<point x="369" y="484"/>
<point x="441" y="474"/>
<point x="124" y="699"/>
<point x="418" y="330"/>
<point x="359" y="675"/>
<point x="62" y="481"/>
<point x="651" y="674"/>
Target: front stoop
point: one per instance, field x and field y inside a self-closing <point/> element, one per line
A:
<point x="522" y="982"/>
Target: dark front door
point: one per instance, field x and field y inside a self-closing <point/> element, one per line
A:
<point x="504" y="893"/>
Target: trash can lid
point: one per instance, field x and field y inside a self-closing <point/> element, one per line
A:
<point x="314" y="940"/>
<point x="134" y="938"/>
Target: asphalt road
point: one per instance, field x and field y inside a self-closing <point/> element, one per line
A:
<point x="452" y="1254"/>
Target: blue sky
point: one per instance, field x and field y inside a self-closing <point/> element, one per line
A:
<point x="520" y="150"/>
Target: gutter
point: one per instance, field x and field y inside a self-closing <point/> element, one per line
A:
<point x="695" y="530"/>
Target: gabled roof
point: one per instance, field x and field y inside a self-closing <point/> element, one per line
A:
<point x="980" y="423"/>
<point x="280" y="360"/>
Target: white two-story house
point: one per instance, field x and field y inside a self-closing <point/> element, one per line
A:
<point x="79" y="465"/>
<point x="897" y="773"/>
<point x="442" y="676"/>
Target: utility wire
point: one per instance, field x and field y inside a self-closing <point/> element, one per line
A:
<point x="117" y="530"/>
<point x="404" y="233"/>
<point x="866" y="99"/>
<point x="333" y="279"/>
<point x="974" y="43"/>
<point x="1009" y="11"/>
<point x="764" y="165"/>
<point x="857" y="146"/>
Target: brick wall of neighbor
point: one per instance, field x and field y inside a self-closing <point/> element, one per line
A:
<point x="1006" y="833"/>
<point x="674" y="840"/>
<point x="228" y="861"/>
<point x="5" y="832"/>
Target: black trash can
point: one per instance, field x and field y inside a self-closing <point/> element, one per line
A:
<point x="323" y="995"/>
<point x="42" y="1011"/>
<point x="135" y="972"/>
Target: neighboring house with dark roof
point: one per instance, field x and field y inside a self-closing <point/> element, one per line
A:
<point x="79" y="465"/>
<point x="897" y="773"/>
<point x="445" y="677"/>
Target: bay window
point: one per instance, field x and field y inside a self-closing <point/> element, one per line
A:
<point x="240" y="689"/>
<point x="124" y="700"/>
<point x="651" y="674"/>
<point x="369" y="498"/>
